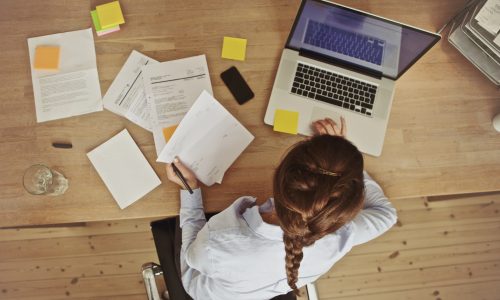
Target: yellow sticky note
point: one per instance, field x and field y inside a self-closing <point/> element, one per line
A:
<point x="47" y="58"/>
<point x="286" y="121"/>
<point x="168" y="132"/>
<point x="110" y="14"/>
<point x="234" y="48"/>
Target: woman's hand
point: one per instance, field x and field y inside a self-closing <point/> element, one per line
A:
<point x="186" y="172"/>
<point x="329" y="126"/>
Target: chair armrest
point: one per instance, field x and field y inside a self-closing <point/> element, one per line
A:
<point x="312" y="292"/>
<point x="149" y="272"/>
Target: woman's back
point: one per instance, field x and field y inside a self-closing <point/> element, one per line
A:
<point x="244" y="258"/>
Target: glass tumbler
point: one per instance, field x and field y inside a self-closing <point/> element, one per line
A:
<point x="42" y="180"/>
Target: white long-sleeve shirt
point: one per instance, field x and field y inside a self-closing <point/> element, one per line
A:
<point x="236" y="255"/>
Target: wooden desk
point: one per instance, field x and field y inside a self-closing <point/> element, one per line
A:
<point x="439" y="141"/>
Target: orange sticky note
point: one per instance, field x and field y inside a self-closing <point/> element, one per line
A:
<point x="47" y="58"/>
<point x="286" y="121"/>
<point x="168" y="132"/>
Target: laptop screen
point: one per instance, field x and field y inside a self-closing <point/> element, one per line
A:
<point x="358" y="38"/>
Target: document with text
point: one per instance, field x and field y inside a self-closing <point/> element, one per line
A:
<point x="489" y="16"/>
<point x="126" y="96"/>
<point x="73" y="88"/>
<point x="208" y="140"/>
<point x="171" y="88"/>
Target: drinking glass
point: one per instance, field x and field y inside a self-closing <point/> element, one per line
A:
<point x="42" y="180"/>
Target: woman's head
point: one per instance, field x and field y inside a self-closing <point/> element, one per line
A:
<point x="318" y="187"/>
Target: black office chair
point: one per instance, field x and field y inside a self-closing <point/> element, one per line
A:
<point x="167" y="240"/>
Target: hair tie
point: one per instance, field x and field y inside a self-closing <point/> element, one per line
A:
<point x="329" y="173"/>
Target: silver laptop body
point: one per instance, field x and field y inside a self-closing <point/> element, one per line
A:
<point x="344" y="62"/>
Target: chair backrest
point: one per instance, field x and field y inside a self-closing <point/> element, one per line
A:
<point x="164" y="238"/>
<point x="167" y="238"/>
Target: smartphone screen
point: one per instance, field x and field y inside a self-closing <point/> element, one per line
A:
<point x="237" y="85"/>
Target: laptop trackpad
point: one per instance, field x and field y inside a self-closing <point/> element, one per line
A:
<point x="320" y="113"/>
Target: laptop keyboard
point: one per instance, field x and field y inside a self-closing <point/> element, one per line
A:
<point x="352" y="44"/>
<point x="335" y="89"/>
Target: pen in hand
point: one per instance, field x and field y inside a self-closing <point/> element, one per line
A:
<point x="181" y="177"/>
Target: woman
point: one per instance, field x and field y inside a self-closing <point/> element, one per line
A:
<point x="323" y="205"/>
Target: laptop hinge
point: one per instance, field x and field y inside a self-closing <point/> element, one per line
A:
<point x="331" y="60"/>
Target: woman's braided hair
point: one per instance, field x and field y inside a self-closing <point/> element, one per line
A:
<point x="318" y="187"/>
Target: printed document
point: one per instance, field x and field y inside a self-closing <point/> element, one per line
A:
<point x="171" y="88"/>
<point x="125" y="96"/>
<point x="208" y="140"/>
<point x="124" y="169"/>
<point x="489" y="16"/>
<point x="73" y="89"/>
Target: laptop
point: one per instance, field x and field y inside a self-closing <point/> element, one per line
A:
<point x="340" y="61"/>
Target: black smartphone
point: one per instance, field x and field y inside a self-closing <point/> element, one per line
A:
<point x="237" y="85"/>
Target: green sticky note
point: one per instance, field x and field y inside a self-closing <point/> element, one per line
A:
<point x="95" y="20"/>
<point x="234" y="48"/>
<point x="286" y="121"/>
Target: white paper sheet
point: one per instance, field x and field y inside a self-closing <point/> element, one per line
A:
<point x="72" y="90"/>
<point x="171" y="88"/>
<point x="497" y="40"/>
<point x="124" y="169"/>
<point x="489" y="16"/>
<point x="125" y="95"/>
<point x="208" y="140"/>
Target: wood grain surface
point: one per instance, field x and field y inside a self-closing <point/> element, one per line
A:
<point x="438" y="250"/>
<point x="439" y="140"/>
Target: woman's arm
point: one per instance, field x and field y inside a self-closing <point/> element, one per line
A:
<point x="194" y="259"/>
<point x="377" y="216"/>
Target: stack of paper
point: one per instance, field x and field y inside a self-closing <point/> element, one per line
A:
<point x="125" y="96"/>
<point x="489" y="16"/>
<point x="475" y="34"/>
<point x="107" y="18"/>
<point x="171" y="88"/>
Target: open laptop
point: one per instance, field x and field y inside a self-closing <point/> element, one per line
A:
<point x="340" y="61"/>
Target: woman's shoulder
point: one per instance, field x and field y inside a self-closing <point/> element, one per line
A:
<point x="341" y="240"/>
<point x="232" y="217"/>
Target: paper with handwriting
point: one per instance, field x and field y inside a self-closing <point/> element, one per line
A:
<point x="208" y="140"/>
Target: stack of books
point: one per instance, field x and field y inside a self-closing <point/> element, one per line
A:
<point x="475" y="33"/>
<point x="107" y="18"/>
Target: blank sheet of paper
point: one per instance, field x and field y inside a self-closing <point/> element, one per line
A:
<point x="124" y="169"/>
